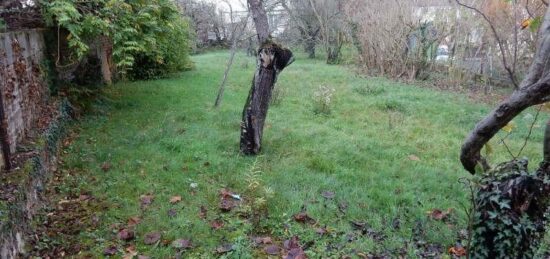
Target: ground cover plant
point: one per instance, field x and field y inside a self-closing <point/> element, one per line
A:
<point x="156" y="171"/>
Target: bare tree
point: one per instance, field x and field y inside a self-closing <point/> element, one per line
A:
<point x="385" y="33"/>
<point x="303" y="18"/>
<point x="330" y="17"/>
<point x="271" y="60"/>
<point x="207" y="21"/>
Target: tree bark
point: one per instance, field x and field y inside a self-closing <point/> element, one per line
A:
<point x="272" y="59"/>
<point x="104" y="48"/>
<point x="259" y="16"/>
<point x="533" y="90"/>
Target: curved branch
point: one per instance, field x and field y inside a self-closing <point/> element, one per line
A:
<point x="534" y="89"/>
<point x="498" y="118"/>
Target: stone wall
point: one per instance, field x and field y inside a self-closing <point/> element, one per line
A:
<point x="22" y="190"/>
<point x="23" y="88"/>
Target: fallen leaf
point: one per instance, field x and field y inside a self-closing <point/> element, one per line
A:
<point x="133" y="221"/>
<point x="216" y="224"/>
<point x="182" y="244"/>
<point x="293" y="242"/>
<point x="328" y="195"/>
<point x="106" y="166"/>
<point x="227" y="205"/>
<point x="224" y="193"/>
<point x="203" y="213"/>
<point x="272" y="250"/>
<point x="172" y="213"/>
<point x="175" y="199"/>
<point x="414" y="158"/>
<point x="126" y="235"/>
<point x="439" y="214"/>
<point x="151" y="238"/>
<point x="294" y="250"/>
<point x="296" y="253"/>
<point x="303" y="217"/>
<point x="130" y="252"/>
<point x="146" y="200"/>
<point x="224" y="248"/>
<point x="321" y="231"/>
<point x="457" y="251"/>
<point x="111" y="250"/>
<point x="143" y="257"/>
<point x="509" y="127"/>
<point x="166" y="242"/>
<point x="263" y="240"/>
<point x="526" y="23"/>
<point x="84" y="197"/>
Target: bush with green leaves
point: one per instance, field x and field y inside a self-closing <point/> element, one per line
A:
<point x="150" y="36"/>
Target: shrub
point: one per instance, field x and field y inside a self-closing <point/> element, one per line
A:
<point x="150" y="38"/>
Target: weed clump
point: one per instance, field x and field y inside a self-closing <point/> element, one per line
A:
<point x="322" y="100"/>
<point x="391" y="105"/>
<point x="369" y="90"/>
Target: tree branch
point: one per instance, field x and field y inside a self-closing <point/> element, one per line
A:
<point x="485" y="130"/>
<point x="534" y="89"/>
<point x="510" y="71"/>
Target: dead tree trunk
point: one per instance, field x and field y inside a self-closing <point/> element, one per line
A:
<point x="272" y="59"/>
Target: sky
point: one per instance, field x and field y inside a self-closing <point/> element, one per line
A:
<point x="238" y="5"/>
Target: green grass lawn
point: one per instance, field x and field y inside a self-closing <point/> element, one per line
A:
<point x="387" y="151"/>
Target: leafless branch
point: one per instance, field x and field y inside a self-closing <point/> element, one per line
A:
<point x="511" y="72"/>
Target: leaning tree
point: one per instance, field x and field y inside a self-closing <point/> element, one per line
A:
<point x="510" y="204"/>
<point x="271" y="60"/>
